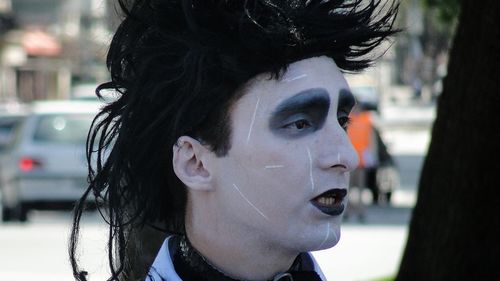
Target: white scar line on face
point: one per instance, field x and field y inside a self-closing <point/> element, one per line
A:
<point x="310" y="168"/>
<point x="335" y="235"/>
<point x="248" y="201"/>
<point x="327" y="236"/>
<point x="253" y="119"/>
<point x="294" y="78"/>
<point x="274" y="166"/>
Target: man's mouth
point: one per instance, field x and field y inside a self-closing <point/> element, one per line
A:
<point x="331" y="201"/>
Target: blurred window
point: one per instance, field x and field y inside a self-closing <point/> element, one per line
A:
<point x="63" y="129"/>
<point x="7" y="125"/>
<point x="8" y="128"/>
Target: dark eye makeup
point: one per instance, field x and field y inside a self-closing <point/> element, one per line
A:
<point x="306" y="112"/>
<point x="298" y="122"/>
<point x="300" y="114"/>
<point x="344" y="121"/>
<point x="346" y="102"/>
<point x="345" y="105"/>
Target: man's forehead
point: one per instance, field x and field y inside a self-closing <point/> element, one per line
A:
<point x="317" y="72"/>
<point x="271" y="94"/>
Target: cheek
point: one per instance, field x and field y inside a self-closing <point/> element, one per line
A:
<point x="279" y="171"/>
<point x="270" y="170"/>
<point x="271" y="183"/>
<point x="271" y="157"/>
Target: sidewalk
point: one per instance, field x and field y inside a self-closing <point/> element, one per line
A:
<point x="364" y="253"/>
<point x="370" y="250"/>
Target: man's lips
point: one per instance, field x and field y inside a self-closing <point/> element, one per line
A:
<point x="331" y="201"/>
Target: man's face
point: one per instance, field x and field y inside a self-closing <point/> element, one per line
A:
<point x="284" y="179"/>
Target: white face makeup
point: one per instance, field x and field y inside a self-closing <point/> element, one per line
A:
<point x="253" y="119"/>
<point x="290" y="79"/>
<point x="285" y="177"/>
<point x="311" y="177"/>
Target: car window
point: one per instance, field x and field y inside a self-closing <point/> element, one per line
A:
<point x="63" y="128"/>
<point x="8" y="125"/>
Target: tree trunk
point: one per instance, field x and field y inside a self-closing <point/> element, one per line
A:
<point x="454" y="233"/>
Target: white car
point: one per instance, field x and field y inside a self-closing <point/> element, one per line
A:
<point x="44" y="167"/>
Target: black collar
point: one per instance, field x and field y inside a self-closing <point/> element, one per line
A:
<point x="190" y="265"/>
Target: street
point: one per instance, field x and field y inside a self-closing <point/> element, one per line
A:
<point x="38" y="250"/>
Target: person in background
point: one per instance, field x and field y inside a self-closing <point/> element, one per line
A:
<point x="363" y="137"/>
<point x="382" y="179"/>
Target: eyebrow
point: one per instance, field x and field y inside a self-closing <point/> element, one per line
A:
<point x="310" y="98"/>
<point x="346" y="100"/>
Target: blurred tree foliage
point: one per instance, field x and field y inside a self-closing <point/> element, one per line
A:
<point x="421" y="51"/>
<point x="440" y="20"/>
<point x="448" y="10"/>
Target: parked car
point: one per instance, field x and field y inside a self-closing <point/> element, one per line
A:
<point x="44" y="166"/>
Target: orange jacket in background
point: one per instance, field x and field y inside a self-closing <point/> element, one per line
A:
<point x="360" y="133"/>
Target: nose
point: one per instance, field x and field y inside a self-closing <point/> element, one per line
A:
<point x="335" y="150"/>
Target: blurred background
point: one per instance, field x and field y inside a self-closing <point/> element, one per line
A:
<point x="52" y="56"/>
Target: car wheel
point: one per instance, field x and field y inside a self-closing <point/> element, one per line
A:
<point x="18" y="213"/>
<point x="6" y="214"/>
<point x="23" y="213"/>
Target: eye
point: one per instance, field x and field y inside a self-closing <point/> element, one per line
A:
<point x="298" y="125"/>
<point x="344" y="122"/>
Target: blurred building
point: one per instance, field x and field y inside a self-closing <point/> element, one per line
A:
<point x="422" y="48"/>
<point x="51" y="45"/>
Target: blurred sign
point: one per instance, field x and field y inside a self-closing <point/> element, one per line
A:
<point x="39" y="43"/>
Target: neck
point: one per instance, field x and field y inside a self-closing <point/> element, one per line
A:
<point x="238" y="253"/>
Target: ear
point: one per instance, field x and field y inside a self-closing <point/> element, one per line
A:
<point x="188" y="164"/>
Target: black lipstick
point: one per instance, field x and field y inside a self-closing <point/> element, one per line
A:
<point x="331" y="201"/>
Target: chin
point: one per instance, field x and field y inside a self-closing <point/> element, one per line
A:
<point x="327" y="245"/>
<point x="319" y="240"/>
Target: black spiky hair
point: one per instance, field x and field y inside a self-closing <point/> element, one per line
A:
<point x="262" y="35"/>
<point x="178" y="65"/>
